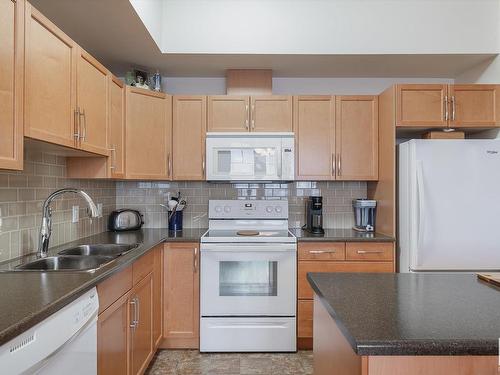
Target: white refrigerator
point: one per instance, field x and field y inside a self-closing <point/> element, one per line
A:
<point x="449" y="205"/>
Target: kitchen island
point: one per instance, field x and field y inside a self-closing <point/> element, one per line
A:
<point x="387" y="324"/>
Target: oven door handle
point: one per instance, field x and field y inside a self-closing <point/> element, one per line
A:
<point x="239" y="247"/>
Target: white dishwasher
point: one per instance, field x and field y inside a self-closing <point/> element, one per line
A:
<point x="64" y="343"/>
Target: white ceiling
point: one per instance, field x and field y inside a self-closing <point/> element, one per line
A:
<point x="113" y="33"/>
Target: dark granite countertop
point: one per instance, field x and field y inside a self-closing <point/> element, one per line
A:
<point x="340" y="235"/>
<point x="412" y="314"/>
<point x="30" y="297"/>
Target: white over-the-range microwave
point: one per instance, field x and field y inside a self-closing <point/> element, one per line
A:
<point x="263" y="157"/>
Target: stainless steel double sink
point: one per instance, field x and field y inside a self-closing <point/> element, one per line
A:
<point x="79" y="258"/>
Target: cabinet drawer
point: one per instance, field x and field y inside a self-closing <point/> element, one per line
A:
<point x="370" y="251"/>
<point x="305" y="291"/>
<point x="143" y="266"/>
<point x="322" y="251"/>
<point x="305" y="319"/>
<point x="113" y="288"/>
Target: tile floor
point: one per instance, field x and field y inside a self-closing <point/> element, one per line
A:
<point x="191" y="362"/>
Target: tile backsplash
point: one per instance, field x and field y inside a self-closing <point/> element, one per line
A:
<point x="22" y="195"/>
<point x="147" y="196"/>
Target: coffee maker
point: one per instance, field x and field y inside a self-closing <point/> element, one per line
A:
<point x="314" y="215"/>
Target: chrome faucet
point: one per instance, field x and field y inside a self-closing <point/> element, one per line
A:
<point x="46" y="226"/>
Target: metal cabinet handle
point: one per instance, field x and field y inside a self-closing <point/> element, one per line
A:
<point x="77" y="124"/>
<point x="195" y="260"/>
<point x="453" y="108"/>
<point x="169" y="165"/>
<point x="445" y="106"/>
<point x="322" y="251"/>
<point x="138" y="304"/>
<point x="339" y="165"/>
<point x="113" y="157"/>
<point x="369" y="251"/>
<point x="203" y="164"/>
<point x="253" y="116"/>
<point x="84" y="125"/>
<point x="246" y="120"/>
<point x="133" y="324"/>
<point x="333" y="164"/>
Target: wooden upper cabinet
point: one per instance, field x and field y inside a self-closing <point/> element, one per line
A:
<point x="314" y="127"/>
<point x="50" y="81"/>
<point x="356" y="128"/>
<point x="474" y="105"/>
<point x="11" y="84"/>
<point x="92" y="104"/>
<point x="181" y="288"/>
<point x="117" y="127"/>
<point x="141" y="343"/>
<point x="228" y="113"/>
<point x="421" y="105"/>
<point x="189" y="127"/>
<point x="148" y="134"/>
<point x="271" y="113"/>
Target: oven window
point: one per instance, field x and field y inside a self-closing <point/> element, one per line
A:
<point x="248" y="278"/>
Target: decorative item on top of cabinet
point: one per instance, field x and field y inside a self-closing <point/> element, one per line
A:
<point x="356" y="127"/>
<point x="11" y="84"/>
<point x="50" y="69"/>
<point x="181" y="288"/>
<point x="314" y="128"/>
<point x="148" y="132"/>
<point x="189" y="126"/>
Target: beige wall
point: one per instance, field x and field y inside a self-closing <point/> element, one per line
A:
<point x="22" y="195"/>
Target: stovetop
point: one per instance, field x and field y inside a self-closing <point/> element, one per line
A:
<point x="263" y="235"/>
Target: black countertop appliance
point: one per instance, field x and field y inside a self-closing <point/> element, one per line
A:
<point x="314" y="215"/>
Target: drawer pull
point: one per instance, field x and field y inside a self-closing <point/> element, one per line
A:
<point x="322" y="251"/>
<point x="370" y="252"/>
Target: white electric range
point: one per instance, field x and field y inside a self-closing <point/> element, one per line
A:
<point x="248" y="278"/>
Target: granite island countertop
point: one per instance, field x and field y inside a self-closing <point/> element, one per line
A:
<point x="28" y="297"/>
<point x="412" y="314"/>
<point x="340" y="235"/>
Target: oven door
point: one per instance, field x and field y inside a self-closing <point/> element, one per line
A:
<point x="248" y="279"/>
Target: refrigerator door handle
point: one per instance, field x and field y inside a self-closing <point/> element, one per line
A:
<point x="421" y="202"/>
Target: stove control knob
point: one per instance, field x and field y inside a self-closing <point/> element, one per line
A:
<point x="227" y="209"/>
<point x="278" y="209"/>
<point x="218" y="209"/>
<point x="269" y="209"/>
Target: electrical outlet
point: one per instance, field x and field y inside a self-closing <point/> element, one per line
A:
<point x="99" y="209"/>
<point x="76" y="214"/>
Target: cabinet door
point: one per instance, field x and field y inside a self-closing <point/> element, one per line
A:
<point x="50" y="74"/>
<point x="474" y="106"/>
<point x="142" y="334"/>
<point x="148" y="134"/>
<point x="92" y="104"/>
<point x="113" y="328"/>
<point x="181" y="296"/>
<point x="157" y="296"/>
<point x="117" y="127"/>
<point x="228" y="113"/>
<point x="271" y="113"/>
<point x="422" y="105"/>
<point x="189" y="129"/>
<point x="356" y="129"/>
<point x="314" y="127"/>
<point x="11" y="84"/>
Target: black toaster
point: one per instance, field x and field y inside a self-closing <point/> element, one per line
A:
<point x="125" y="219"/>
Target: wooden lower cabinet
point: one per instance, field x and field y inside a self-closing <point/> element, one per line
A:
<point x="181" y="294"/>
<point x="141" y="336"/>
<point x="129" y="322"/>
<point x="334" y="257"/>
